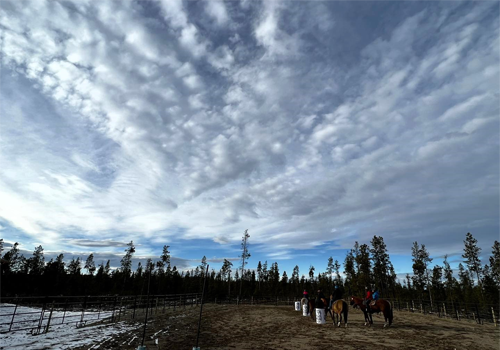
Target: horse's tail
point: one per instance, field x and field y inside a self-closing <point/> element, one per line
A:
<point x="345" y="310"/>
<point x="391" y="314"/>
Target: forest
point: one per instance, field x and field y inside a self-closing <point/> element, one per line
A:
<point x="364" y="265"/>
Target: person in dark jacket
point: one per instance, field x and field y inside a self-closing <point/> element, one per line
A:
<point x="320" y="298"/>
<point x="337" y="294"/>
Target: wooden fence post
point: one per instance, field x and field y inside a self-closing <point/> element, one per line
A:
<point x="413" y="304"/>
<point x="50" y="317"/>
<point x="493" y="316"/>
<point x="64" y="313"/>
<point x="444" y="310"/>
<point x="13" y="315"/>
<point x="135" y="306"/>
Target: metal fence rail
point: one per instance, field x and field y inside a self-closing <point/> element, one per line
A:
<point x="479" y="313"/>
<point x="38" y="314"/>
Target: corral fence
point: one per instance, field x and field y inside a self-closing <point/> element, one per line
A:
<point x="479" y="313"/>
<point x="260" y="300"/>
<point x="38" y="314"/>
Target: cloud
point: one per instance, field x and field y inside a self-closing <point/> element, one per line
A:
<point x="217" y="10"/>
<point x="95" y="243"/>
<point x="126" y="121"/>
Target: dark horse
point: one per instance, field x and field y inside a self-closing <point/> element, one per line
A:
<point x="380" y="306"/>
<point x="339" y="308"/>
<point x="311" y="306"/>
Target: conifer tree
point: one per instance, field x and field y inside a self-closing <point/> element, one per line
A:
<point x="495" y="263"/>
<point x="90" y="264"/>
<point x="126" y="262"/>
<point x="37" y="261"/>
<point x="471" y="256"/>
<point x="311" y="273"/>
<point x="74" y="267"/>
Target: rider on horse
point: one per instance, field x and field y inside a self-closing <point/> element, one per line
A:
<point x="368" y="298"/>
<point x="336" y="295"/>
<point x="305" y="294"/>
<point x="320" y="300"/>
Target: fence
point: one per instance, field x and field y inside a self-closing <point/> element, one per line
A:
<point x="37" y="314"/>
<point x="479" y="313"/>
<point x="261" y="300"/>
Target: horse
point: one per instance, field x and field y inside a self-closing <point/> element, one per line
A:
<point x="379" y="306"/>
<point x="311" y="305"/>
<point x="339" y="308"/>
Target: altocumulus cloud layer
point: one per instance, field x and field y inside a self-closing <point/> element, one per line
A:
<point x="306" y="122"/>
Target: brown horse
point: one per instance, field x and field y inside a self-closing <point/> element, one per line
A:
<point x="311" y="306"/>
<point x="380" y="306"/>
<point x="339" y="308"/>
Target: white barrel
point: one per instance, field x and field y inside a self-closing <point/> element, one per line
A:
<point x="305" y="310"/>
<point x="297" y="306"/>
<point x="320" y="316"/>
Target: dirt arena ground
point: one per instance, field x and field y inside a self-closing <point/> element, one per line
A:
<point x="269" y="327"/>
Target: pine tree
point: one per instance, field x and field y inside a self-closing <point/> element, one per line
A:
<point x="244" y="255"/>
<point x="264" y="272"/>
<point x="349" y="270"/>
<point x="336" y="268"/>
<point x="436" y="279"/>
<point x="421" y="260"/>
<point x="138" y="272"/>
<point x="203" y="266"/>
<point x="165" y="259"/>
<point x="495" y="263"/>
<point x="363" y="263"/>
<point x="107" y="268"/>
<point x="90" y="264"/>
<point x="259" y="273"/>
<point x="471" y="256"/>
<point x="464" y="277"/>
<point x="37" y="261"/>
<point x="226" y="271"/>
<point x="295" y="278"/>
<point x="126" y="262"/>
<point x="329" y="270"/>
<point x="74" y="267"/>
<point x="311" y="273"/>
<point x="448" y="277"/>
<point x="380" y="259"/>
<point x="12" y="260"/>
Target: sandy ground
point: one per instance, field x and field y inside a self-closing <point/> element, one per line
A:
<point x="270" y="327"/>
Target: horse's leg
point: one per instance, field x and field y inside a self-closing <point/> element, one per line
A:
<point x="386" y="317"/>
<point x="340" y="318"/>
<point x="346" y="312"/>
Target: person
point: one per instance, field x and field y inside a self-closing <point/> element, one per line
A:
<point x="376" y="295"/>
<point x="320" y="300"/>
<point x="337" y="294"/>
<point x="305" y="294"/>
<point x="368" y="298"/>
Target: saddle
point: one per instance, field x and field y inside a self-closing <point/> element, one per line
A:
<point x="373" y="302"/>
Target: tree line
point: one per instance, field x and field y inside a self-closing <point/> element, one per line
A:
<point x="364" y="265"/>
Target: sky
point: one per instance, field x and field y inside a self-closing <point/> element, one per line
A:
<point x="312" y="124"/>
